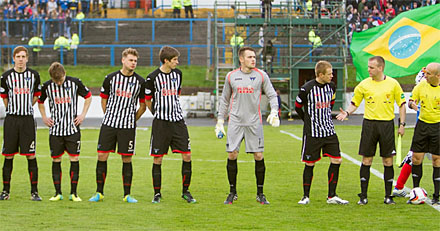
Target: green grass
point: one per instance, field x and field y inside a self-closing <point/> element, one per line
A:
<point x="93" y="76"/>
<point x="209" y="186"/>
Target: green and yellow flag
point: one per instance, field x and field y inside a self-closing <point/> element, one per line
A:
<point x="407" y="43"/>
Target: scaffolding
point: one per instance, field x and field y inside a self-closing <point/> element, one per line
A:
<point x="288" y="27"/>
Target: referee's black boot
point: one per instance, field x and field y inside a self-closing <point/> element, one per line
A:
<point x="363" y="199"/>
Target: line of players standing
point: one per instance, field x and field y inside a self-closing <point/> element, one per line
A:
<point x="240" y="100"/>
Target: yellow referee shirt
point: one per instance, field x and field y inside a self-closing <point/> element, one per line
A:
<point x="379" y="98"/>
<point x="429" y="98"/>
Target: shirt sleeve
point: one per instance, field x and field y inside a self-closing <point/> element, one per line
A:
<point x="149" y="88"/>
<point x="3" y="87"/>
<point x="270" y="92"/>
<point x="43" y="94"/>
<point x="415" y="94"/>
<point x="225" y="98"/>
<point x="399" y="96"/>
<point x="358" y="95"/>
<point x="83" y="90"/>
<point x="37" y="86"/>
<point x="105" y="89"/>
<point x="142" y="92"/>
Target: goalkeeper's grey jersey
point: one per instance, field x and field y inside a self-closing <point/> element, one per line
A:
<point x="241" y="97"/>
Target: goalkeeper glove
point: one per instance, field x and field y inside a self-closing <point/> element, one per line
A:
<point x="273" y="118"/>
<point x="219" y="129"/>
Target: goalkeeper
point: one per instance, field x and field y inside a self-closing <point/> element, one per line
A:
<point x="317" y="97"/>
<point x="242" y="96"/>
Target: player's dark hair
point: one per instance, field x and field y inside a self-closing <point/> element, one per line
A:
<point x="321" y="67"/>
<point x="130" y="51"/>
<point x="379" y="59"/>
<point x="168" y="53"/>
<point x="56" y="71"/>
<point x="243" y="49"/>
<point x="19" y="49"/>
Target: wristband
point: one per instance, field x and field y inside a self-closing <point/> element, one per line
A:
<point x="348" y="114"/>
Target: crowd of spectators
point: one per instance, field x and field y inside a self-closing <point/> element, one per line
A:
<point x="365" y="14"/>
<point x="54" y="15"/>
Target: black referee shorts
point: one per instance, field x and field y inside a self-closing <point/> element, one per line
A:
<point x="426" y="138"/>
<point x="19" y="132"/>
<point x="374" y="131"/>
<point x="165" y="134"/>
<point x="125" y="137"/>
<point x="71" y="144"/>
<point x="312" y="147"/>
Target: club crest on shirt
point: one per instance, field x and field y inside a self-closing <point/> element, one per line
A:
<point x="174" y="79"/>
<point x="253" y="78"/>
<point x="27" y="78"/>
<point x="131" y="84"/>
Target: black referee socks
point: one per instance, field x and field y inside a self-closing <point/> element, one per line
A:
<point x="364" y="174"/>
<point x="388" y="175"/>
<point x="417" y="173"/>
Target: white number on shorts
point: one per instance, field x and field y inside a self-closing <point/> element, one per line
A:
<point x="130" y="145"/>
<point x="79" y="145"/>
<point x="32" y="145"/>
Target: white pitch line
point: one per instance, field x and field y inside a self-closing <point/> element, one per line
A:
<point x="357" y="162"/>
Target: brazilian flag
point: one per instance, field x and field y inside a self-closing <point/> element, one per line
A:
<point x="407" y="43"/>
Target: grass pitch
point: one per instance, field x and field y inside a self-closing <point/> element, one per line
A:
<point x="209" y="186"/>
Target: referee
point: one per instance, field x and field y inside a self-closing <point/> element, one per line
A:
<point x="120" y="93"/>
<point x="427" y="131"/>
<point x="20" y="88"/>
<point x="379" y="92"/>
<point x="64" y="134"/>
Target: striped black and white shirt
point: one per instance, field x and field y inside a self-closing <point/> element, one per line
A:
<point x="20" y="89"/>
<point x="63" y="101"/>
<point x="164" y="90"/>
<point x="123" y="93"/>
<point x="318" y="100"/>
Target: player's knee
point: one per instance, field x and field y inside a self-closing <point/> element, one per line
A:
<point x="157" y="160"/>
<point x="9" y="157"/>
<point x="387" y="161"/>
<point x="436" y="161"/>
<point x="31" y="157"/>
<point x="417" y="158"/>
<point x="102" y="156"/>
<point x="367" y="161"/>
<point x="258" y="156"/>
<point x="336" y="160"/>
<point x="74" y="158"/>
<point x="126" y="159"/>
<point x="56" y="160"/>
<point x="186" y="157"/>
<point x="233" y="155"/>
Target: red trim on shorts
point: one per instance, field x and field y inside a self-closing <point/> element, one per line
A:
<point x="335" y="157"/>
<point x="180" y="91"/>
<point x="298" y="105"/>
<point x="70" y="154"/>
<point x="37" y="93"/>
<point x="99" y="151"/>
<point x="60" y="155"/>
<point x="10" y="154"/>
<point x="158" y="155"/>
<point x="313" y="161"/>
<point x="125" y="154"/>
<point x="88" y="95"/>
<point x="4" y="95"/>
<point x="181" y="152"/>
<point x="40" y="102"/>
<point x="141" y="100"/>
<point x="148" y="97"/>
<point x="27" y="154"/>
<point x="104" y="96"/>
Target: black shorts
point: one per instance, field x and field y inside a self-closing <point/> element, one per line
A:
<point x="165" y="134"/>
<point x="426" y="138"/>
<point x="71" y="144"/>
<point x="19" y="132"/>
<point x="312" y="147"/>
<point x="374" y="131"/>
<point x="125" y="137"/>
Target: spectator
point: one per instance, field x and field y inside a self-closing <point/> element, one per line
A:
<point x="104" y="7"/>
<point x="361" y="5"/>
<point x="80" y="17"/>
<point x="85" y="7"/>
<point x="266" y="9"/>
<point x="176" y="5"/>
<point x="73" y="6"/>
<point x="96" y="6"/>
<point x="5" y="52"/>
<point x="52" y="6"/>
<point x="366" y="12"/>
<point x="68" y="23"/>
<point x="64" y="5"/>
<point x="390" y="10"/>
<point x="268" y="55"/>
<point x="365" y="27"/>
<point x="188" y="8"/>
<point x="35" y="43"/>
<point x="62" y="42"/>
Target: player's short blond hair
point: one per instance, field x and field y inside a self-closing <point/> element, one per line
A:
<point x="130" y="51"/>
<point x="57" y="71"/>
<point x="321" y="67"/>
